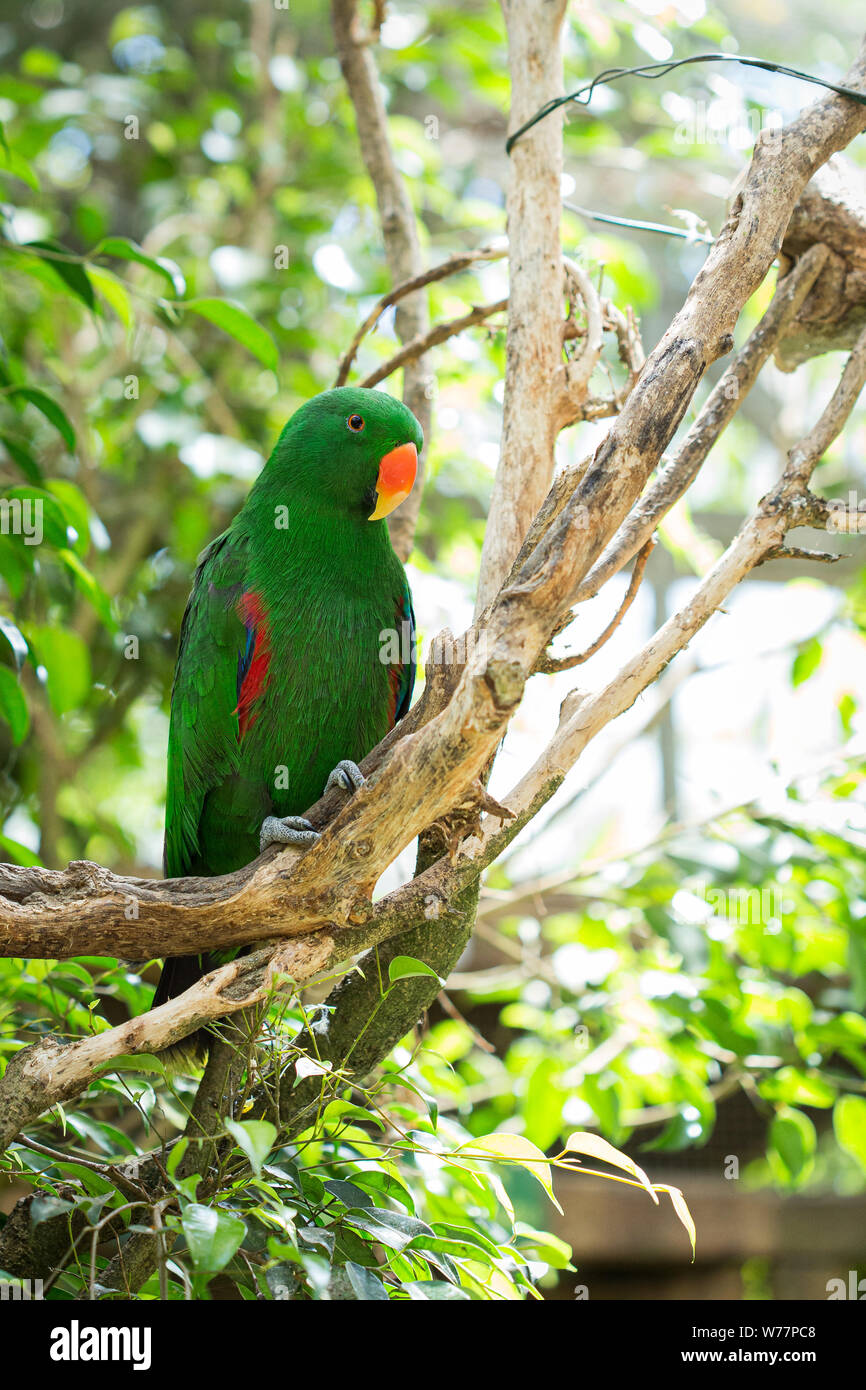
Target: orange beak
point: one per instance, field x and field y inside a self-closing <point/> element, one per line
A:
<point x="397" y="471"/>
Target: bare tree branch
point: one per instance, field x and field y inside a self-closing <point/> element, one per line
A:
<point x="453" y="266"/>
<point x="534" y="365"/>
<point x="399" y="231"/>
<point x="439" y="334"/>
<point x="716" y="414"/>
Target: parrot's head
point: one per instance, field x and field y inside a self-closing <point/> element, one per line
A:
<point x="358" y="449"/>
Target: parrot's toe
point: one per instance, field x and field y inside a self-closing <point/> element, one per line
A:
<point x="290" y="830"/>
<point x="347" y="776"/>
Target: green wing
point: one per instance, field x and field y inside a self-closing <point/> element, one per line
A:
<point x="203" y="733"/>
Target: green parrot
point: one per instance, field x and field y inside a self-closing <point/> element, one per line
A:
<point x="284" y="677"/>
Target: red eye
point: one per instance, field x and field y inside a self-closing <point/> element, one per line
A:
<point x="355" y="423"/>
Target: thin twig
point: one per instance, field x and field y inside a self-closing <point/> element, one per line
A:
<point x="550" y="664"/>
<point x="440" y="334"/>
<point x="453" y="266"/>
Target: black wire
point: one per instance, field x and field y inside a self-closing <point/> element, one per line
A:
<point x="655" y="70"/>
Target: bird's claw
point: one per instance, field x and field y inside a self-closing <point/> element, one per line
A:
<point x="288" y="830"/>
<point x="346" y="776"/>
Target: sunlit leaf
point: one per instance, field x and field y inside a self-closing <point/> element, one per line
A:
<point x="596" y="1147"/>
<point x="213" y="1236"/>
<point x="126" y="250"/>
<point x="849" y="1124"/>
<point x="255" y="1137"/>
<point x="514" y="1148"/>
<point x="791" y="1147"/>
<point x="407" y="968"/>
<point x="233" y="319"/>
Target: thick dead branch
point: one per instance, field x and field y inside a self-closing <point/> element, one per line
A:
<point x="831" y="212"/>
<point x="721" y="405"/>
<point x="534" y="360"/>
<point x="572" y="380"/>
<point x="586" y="714"/>
<point x="703" y="329"/>
<point x="777" y="513"/>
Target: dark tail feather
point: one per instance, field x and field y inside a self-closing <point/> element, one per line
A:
<point x="180" y="973"/>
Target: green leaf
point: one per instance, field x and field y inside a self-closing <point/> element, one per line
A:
<point x="596" y="1147"/>
<point x="12" y="162"/>
<point x="847" y="707"/>
<point x="15" y="637"/>
<point x="43" y="1208"/>
<point x="791" y="1146"/>
<point x="16" y="853"/>
<point x="126" y="250"/>
<point x="13" y="706"/>
<point x="348" y="1193"/>
<point x="681" y="1208"/>
<point x="54" y="522"/>
<point x="849" y="1125"/>
<point x="95" y="1183"/>
<point x="213" y="1236"/>
<point x="76" y="507"/>
<point x="367" y="1286"/>
<point x="795" y="1087"/>
<point x="391" y="1228"/>
<point x="233" y="319"/>
<point x="176" y="1155"/>
<point x="407" y="968"/>
<point x="114" y="292"/>
<point x="543" y="1246"/>
<point x="89" y="587"/>
<point x="806" y="662"/>
<point x="542" y="1109"/>
<point x="145" y="1062"/>
<point x="433" y="1290"/>
<point x="515" y="1148"/>
<point x="66" y="659"/>
<point x="255" y="1137"/>
<point x="49" y="408"/>
<point x="71" y="273"/>
<point x="25" y="460"/>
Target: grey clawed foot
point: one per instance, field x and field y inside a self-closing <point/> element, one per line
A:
<point x="347" y="776"/>
<point x="290" y="830"/>
<point x="296" y="830"/>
